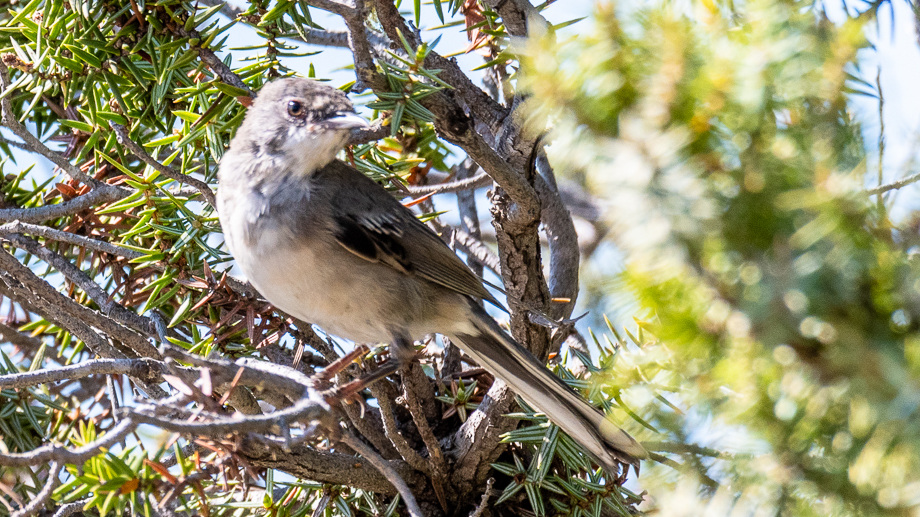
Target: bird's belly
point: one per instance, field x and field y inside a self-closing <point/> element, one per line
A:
<point x="319" y="286"/>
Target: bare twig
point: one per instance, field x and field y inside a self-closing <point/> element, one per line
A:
<point x="435" y="454"/>
<point x="69" y="509"/>
<point x="19" y="339"/>
<point x="461" y="185"/>
<point x="226" y="9"/>
<point x="18" y="145"/>
<point x="405" y="450"/>
<point x="42" y="497"/>
<point x="26" y="287"/>
<point x="121" y="133"/>
<point x="466" y="206"/>
<point x="389" y="472"/>
<point x="369" y="423"/>
<point x="881" y="135"/>
<point x="477" y="249"/>
<point x="881" y="189"/>
<point x="141" y="368"/>
<point x="50" y="452"/>
<point x="484" y="502"/>
<point x="33" y="143"/>
<point x="564" y="254"/>
<point x="370" y="134"/>
<point x="218" y="67"/>
<point x="102" y="194"/>
<point x="105" y="302"/>
<point x="70" y="238"/>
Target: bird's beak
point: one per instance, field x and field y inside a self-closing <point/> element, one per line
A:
<point x="344" y="120"/>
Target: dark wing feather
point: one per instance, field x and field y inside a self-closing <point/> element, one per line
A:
<point x="375" y="226"/>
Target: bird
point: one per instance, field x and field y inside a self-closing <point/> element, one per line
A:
<point x="326" y="244"/>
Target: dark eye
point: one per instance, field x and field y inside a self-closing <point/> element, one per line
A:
<point x="295" y="108"/>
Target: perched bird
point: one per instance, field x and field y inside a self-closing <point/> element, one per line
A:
<point x="328" y="245"/>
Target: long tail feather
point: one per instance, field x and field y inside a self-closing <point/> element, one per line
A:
<point x="498" y="353"/>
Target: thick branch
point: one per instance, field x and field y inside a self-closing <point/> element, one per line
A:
<point x="516" y="14"/>
<point x="564" y="254"/>
<point x="108" y="306"/>
<point x="331" y="467"/>
<point x="26" y="287"/>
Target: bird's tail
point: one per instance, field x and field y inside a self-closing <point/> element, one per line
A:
<point x="501" y="355"/>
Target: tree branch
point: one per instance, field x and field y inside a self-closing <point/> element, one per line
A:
<point x="26" y="287"/>
<point x="390" y="428"/>
<point x="33" y="143"/>
<point x="141" y="368"/>
<point x="103" y="194"/>
<point x="50" y="452"/>
<point x="121" y="133"/>
<point x="107" y="305"/>
<point x="384" y="467"/>
<point x="564" y="253"/>
<point x="70" y="238"/>
<point x="42" y="497"/>
<point x="901" y="183"/>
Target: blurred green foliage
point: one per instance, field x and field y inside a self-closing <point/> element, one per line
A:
<point x="785" y="301"/>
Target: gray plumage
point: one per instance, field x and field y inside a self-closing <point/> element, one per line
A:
<point x="326" y="244"/>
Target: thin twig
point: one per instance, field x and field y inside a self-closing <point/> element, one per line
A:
<point x="466" y="206"/>
<point x="484" y="502"/>
<point x="18" y="145"/>
<point x="102" y="194"/>
<point x="51" y="452"/>
<point x="391" y="430"/>
<point x="477" y="249"/>
<point x="480" y="180"/>
<point x="25" y="286"/>
<point x="142" y="368"/>
<point x="226" y="9"/>
<point x="70" y="238"/>
<point x="881" y="135"/>
<point x="881" y="189"/>
<point x="33" y="143"/>
<point x="562" y="239"/>
<point x="121" y="133"/>
<point x="23" y="341"/>
<point x="435" y="454"/>
<point x="70" y="508"/>
<point x="310" y="407"/>
<point x="384" y="467"/>
<point x="42" y="497"/>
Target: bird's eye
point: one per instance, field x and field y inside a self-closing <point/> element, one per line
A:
<point x="295" y="108"/>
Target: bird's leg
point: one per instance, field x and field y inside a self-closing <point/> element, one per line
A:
<point x="402" y="350"/>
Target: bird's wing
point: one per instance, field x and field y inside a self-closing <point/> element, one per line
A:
<point x="373" y="225"/>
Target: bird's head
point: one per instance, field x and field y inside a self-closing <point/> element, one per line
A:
<point x="296" y="125"/>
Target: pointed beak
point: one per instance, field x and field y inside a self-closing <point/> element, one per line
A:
<point x="344" y="120"/>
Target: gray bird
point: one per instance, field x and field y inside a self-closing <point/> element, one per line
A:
<point x="328" y="245"/>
